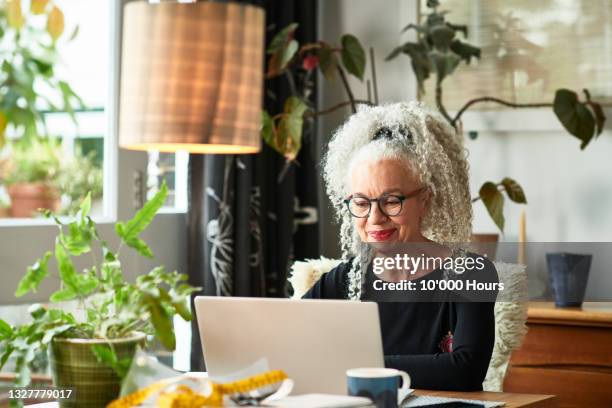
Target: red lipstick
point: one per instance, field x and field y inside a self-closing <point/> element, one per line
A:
<point x="381" y="235"/>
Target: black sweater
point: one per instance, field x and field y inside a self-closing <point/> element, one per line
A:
<point x="416" y="334"/>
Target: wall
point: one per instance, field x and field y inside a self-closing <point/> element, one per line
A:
<point x="377" y="24"/>
<point x="21" y="246"/>
<point x="569" y="191"/>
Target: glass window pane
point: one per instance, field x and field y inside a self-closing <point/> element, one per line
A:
<point x="529" y="49"/>
<point x="82" y="63"/>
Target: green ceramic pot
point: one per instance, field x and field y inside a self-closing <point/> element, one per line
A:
<point x="74" y="366"/>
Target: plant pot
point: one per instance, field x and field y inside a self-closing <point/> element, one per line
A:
<point x="27" y="198"/>
<point x="74" y="366"/>
<point x="568" y="275"/>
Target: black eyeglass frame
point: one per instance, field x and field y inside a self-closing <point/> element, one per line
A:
<point x="401" y="198"/>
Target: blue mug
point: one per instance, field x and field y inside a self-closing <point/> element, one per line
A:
<point x="381" y="385"/>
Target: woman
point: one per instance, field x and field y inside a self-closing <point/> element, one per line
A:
<point x="398" y="174"/>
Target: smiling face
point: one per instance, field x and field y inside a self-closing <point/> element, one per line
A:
<point x="389" y="176"/>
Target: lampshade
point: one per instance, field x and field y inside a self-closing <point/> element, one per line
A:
<point x="192" y="77"/>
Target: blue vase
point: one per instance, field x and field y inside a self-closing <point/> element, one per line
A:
<point x="568" y="275"/>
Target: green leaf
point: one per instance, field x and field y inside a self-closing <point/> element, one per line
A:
<point x="55" y="331"/>
<point x="417" y="27"/>
<point x="79" y="239"/>
<point x="140" y="246"/>
<point x="575" y="116"/>
<point x="162" y="322"/>
<point x="34" y="276"/>
<point x="353" y="55"/>
<point x="111" y="272"/>
<point x="5" y="356"/>
<point x="327" y="62"/>
<point x="67" y="272"/>
<point x="282" y="38"/>
<point x="444" y="63"/>
<point x="129" y="231"/>
<point x="6" y="330"/>
<point x="87" y="284"/>
<point x="182" y="308"/>
<point x="459" y="27"/>
<point x="63" y="295"/>
<point x="290" y="127"/>
<point x="267" y="128"/>
<point x="287" y="54"/>
<point x="465" y="50"/>
<point x="442" y="36"/>
<point x="394" y="53"/>
<point x="85" y="207"/>
<point x="279" y="60"/>
<point x="105" y="354"/>
<point x="514" y="190"/>
<point x="494" y="202"/>
<point x="600" y="117"/>
<point x="421" y="64"/>
<point x="37" y="310"/>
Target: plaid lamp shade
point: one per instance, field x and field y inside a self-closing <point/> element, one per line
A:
<point x="192" y="77"/>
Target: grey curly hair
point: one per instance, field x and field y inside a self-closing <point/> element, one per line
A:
<point x="431" y="148"/>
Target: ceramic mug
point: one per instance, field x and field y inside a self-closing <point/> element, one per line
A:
<point x="381" y="385"/>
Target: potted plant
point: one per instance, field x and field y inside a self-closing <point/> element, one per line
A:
<point x="30" y="176"/>
<point x="91" y="350"/>
<point x="80" y="174"/>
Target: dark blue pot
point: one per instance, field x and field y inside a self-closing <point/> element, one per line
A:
<point x="568" y="275"/>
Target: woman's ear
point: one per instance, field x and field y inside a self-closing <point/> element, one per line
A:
<point x="425" y="199"/>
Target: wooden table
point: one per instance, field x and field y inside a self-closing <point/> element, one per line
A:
<point x="567" y="352"/>
<point x="512" y="400"/>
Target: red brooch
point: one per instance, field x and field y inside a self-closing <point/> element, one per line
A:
<point x="446" y="344"/>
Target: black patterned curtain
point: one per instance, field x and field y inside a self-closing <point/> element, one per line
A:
<point x="251" y="216"/>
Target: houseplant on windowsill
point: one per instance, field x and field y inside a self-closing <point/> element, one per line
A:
<point x="30" y="176"/>
<point x="91" y="350"/>
<point x="41" y="175"/>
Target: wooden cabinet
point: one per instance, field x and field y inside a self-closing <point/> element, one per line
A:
<point x="567" y="352"/>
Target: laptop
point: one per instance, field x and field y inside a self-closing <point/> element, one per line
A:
<point x="313" y="341"/>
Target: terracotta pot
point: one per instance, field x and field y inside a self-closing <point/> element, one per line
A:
<point x="27" y="198"/>
<point x="485" y="244"/>
<point x="74" y="366"/>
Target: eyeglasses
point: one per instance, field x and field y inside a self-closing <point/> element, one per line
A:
<point x="388" y="204"/>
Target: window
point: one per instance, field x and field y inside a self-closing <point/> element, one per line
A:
<point x="171" y="168"/>
<point x="79" y="162"/>
<point x="530" y="49"/>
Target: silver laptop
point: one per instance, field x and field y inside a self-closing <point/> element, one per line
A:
<point x="313" y="341"/>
